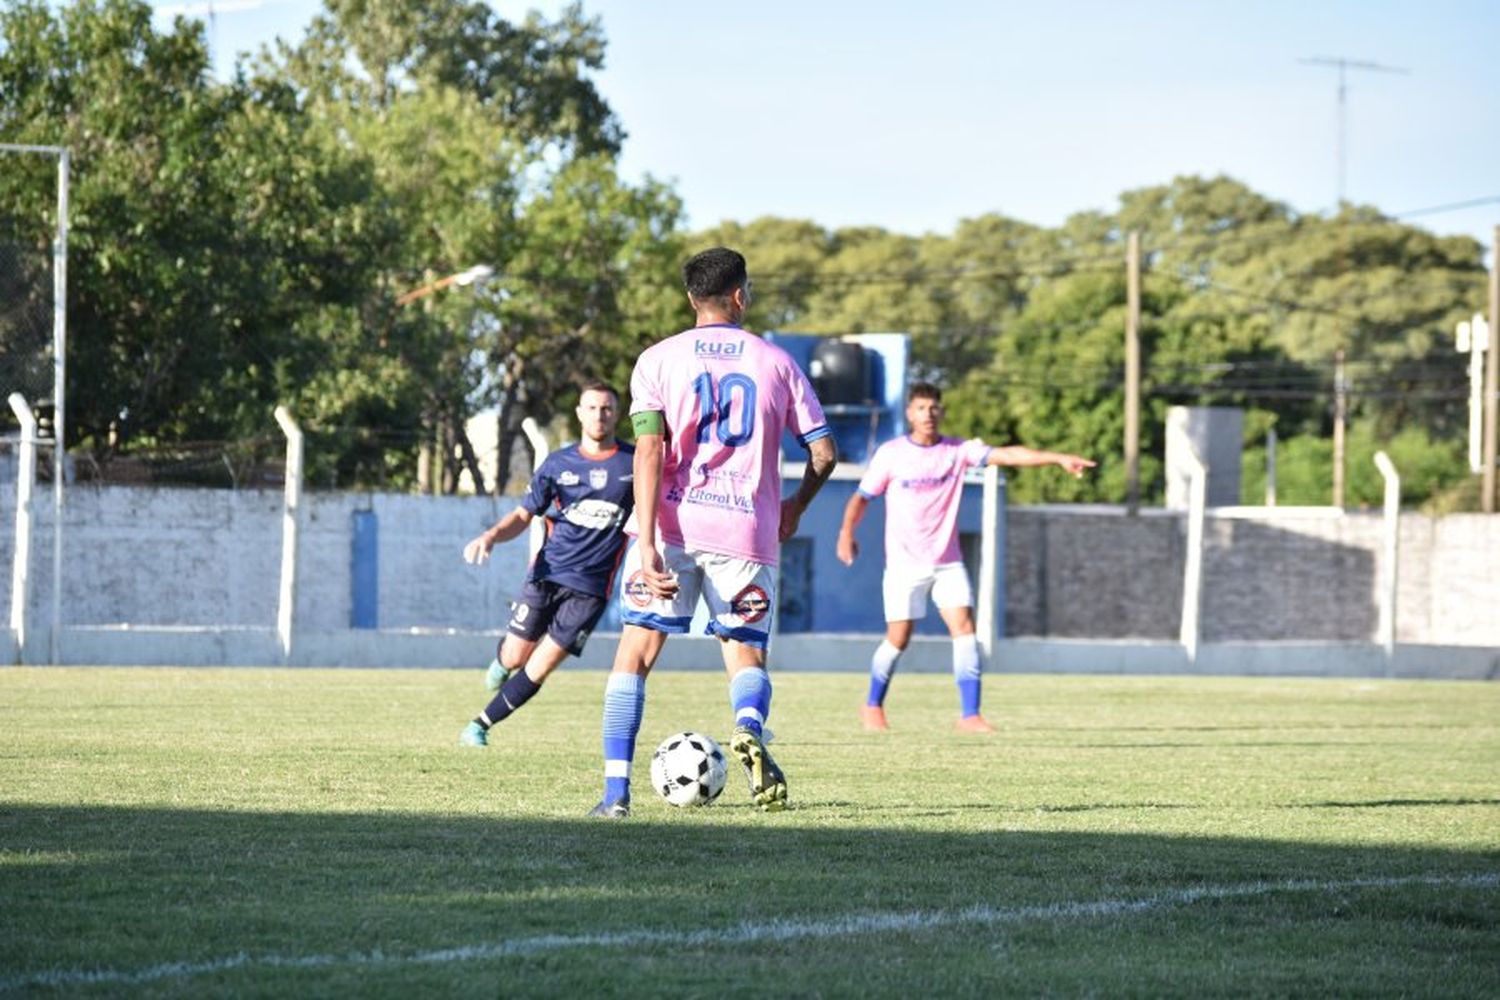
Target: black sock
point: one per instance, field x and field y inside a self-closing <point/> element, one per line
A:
<point x="516" y="692"/>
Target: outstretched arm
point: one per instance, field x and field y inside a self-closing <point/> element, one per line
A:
<point x="503" y="530"/>
<point x="1020" y="455"/>
<point x="822" y="456"/>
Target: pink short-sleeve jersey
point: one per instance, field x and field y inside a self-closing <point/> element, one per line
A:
<point x="727" y="396"/>
<point x="923" y="485"/>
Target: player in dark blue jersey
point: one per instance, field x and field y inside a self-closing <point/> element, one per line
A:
<point x="585" y="493"/>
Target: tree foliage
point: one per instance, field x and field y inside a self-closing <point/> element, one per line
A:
<point x="1244" y="303"/>
<point x="241" y="244"/>
<point x="245" y="243"/>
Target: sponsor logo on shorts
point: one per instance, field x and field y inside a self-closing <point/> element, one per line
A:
<point x="636" y="591"/>
<point x="750" y="604"/>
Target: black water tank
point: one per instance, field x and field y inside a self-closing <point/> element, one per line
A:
<point x="840" y="373"/>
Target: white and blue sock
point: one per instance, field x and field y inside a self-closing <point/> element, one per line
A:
<point x="750" y="694"/>
<point x="624" y="703"/>
<point x="882" y="666"/>
<point x="966" y="673"/>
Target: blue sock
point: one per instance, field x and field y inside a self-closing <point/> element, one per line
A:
<point x="516" y="692"/>
<point x="966" y="673"/>
<point x="882" y="666"/>
<point x="624" y="703"/>
<point x="750" y="694"/>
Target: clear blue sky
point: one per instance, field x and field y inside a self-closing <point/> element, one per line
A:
<point x="911" y="116"/>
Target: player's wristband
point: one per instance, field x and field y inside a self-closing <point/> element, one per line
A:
<point x="647" y="422"/>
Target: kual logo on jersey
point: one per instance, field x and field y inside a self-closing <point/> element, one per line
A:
<point x="598" y="478"/>
<point x="636" y="591"/>
<point x="750" y="604"/>
<point x="719" y="348"/>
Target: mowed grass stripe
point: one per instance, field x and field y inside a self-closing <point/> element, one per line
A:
<point x="748" y="933"/>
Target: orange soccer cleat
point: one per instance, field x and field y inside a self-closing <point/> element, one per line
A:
<point x="973" y="724"/>
<point x="873" y="717"/>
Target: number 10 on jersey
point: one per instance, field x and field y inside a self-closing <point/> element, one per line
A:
<point x="714" y="407"/>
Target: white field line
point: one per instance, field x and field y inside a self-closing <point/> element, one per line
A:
<point x="750" y="932"/>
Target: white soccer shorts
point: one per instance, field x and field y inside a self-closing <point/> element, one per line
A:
<point x="906" y="590"/>
<point x="740" y="594"/>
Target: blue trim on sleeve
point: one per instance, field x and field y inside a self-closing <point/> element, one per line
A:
<point x="749" y="636"/>
<point x="814" y="434"/>
<point x="867" y="496"/>
<point x="672" y="625"/>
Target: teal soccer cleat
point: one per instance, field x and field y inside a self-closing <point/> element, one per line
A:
<point x="496" y="676"/>
<point x="473" y="736"/>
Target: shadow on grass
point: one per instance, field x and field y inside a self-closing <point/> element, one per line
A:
<point x="133" y="888"/>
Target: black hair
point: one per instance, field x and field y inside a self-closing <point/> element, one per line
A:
<point x="924" y="390"/>
<point x="714" y="273"/>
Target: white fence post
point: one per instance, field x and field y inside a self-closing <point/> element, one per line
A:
<point x="20" y="572"/>
<point x="989" y="547"/>
<point x="1192" y="568"/>
<point x="1385" y="630"/>
<point x="291" y="514"/>
<point x="540" y="450"/>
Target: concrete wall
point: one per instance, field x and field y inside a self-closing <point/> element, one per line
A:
<point x="198" y="561"/>
<point x="210" y="558"/>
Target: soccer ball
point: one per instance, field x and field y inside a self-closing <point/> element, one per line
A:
<point x="688" y="769"/>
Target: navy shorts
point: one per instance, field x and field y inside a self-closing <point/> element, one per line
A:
<point x="568" y="616"/>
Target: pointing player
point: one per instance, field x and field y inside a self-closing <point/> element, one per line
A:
<point x="709" y="406"/>
<point x="921" y="476"/>
<point x="587" y="487"/>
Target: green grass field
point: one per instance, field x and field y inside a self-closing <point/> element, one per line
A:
<point x="318" y="832"/>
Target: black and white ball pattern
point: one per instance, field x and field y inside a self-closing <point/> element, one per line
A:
<point x="688" y="769"/>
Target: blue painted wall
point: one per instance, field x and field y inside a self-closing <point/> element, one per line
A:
<point x="364" y="571"/>
<point x="819" y="593"/>
<point x="847" y="598"/>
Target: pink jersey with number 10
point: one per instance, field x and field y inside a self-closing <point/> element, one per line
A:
<point x="727" y="396"/>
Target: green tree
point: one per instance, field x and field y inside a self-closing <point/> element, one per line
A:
<point x="205" y="223"/>
<point x="489" y="145"/>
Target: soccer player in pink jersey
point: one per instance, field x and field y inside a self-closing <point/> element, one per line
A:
<point x="921" y="476"/>
<point x="709" y="406"/>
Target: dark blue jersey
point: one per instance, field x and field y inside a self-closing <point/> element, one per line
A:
<point x="586" y="500"/>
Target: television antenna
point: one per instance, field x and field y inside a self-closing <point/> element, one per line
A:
<point x="1343" y="65"/>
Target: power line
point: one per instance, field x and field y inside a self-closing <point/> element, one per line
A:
<point x="1455" y="206"/>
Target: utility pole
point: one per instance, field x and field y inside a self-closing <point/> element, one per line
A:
<point x="1340" y="392"/>
<point x="1133" y="371"/>
<point x="1474" y="340"/>
<point x="1342" y="65"/>
<point x="1492" y="381"/>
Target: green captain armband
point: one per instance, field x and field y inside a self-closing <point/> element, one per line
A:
<point x="648" y="422"/>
